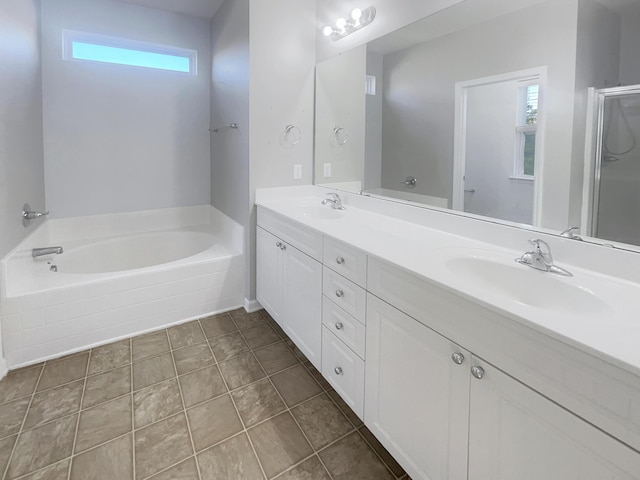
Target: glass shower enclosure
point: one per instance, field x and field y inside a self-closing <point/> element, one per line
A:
<point x="615" y="194"/>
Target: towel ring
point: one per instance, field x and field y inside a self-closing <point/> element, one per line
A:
<point x="338" y="136"/>
<point x="291" y="136"/>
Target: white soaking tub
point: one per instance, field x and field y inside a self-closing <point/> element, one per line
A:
<point x="119" y="275"/>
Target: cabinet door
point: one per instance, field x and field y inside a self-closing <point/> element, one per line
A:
<point x="269" y="273"/>
<point x="516" y="433"/>
<point x="302" y="302"/>
<point x="416" y="396"/>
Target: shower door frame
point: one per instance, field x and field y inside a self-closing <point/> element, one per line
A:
<point x="594" y="139"/>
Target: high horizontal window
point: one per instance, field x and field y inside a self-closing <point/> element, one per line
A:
<point x="98" y="48"/>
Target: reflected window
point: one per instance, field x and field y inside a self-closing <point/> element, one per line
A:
<point x="526" y="126"/>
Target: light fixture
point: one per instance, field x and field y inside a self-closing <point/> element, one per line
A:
<point x="357" y="20"/>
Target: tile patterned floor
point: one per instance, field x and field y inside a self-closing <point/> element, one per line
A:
<point x="225" y="397"/>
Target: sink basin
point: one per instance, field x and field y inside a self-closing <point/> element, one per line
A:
<point x="318" y="211"/>
<point x="500" y="275"/>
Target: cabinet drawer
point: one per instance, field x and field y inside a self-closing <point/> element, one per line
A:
<point x="343" y="326"/>
<point x="345" y="293"/>
<point x="346" y="260"/>
<point x="299" y="236"/>
<point x="344" y="370"/>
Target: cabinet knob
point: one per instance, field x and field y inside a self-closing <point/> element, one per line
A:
<point x="338" y="370"/>
<point x="477" y="372"/>
<point x="283" y="247"/>
<point x="339" y="293"/>
<point x="279" y="245"/>
<point x="457" y="358"/>
<point x="340" y="260"/>
<point x="339" y="326"/>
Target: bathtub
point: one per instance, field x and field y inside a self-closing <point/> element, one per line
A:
<point x="119" y="275"/>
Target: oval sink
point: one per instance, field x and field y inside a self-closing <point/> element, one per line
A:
<point x="320" y="212"/>
<point x="544" y="290"/>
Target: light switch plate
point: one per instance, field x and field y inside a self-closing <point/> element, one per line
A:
<point x="297" y="171"/>
<point x="327" y="170"/>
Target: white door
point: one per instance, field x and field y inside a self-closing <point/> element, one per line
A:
<point x="516" y="433"/>
<point x="417" y="397"/>
<point x="269" y="273"/>
<point x="302" y="302"/>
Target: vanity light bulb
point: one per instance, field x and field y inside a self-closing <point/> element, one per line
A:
<point x="356" y="14"/>
<point x="327" y="31"/>
<point x="341" y="23"/>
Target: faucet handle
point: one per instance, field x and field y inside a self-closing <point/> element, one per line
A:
<point x="543" y="249"/>
<point x="568" y="233"/>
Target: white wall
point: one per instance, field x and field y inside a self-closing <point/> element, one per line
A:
<point x="629" y="58"/>
<point x="282" y="64"/>
<point x="122" y="138"/>
<point x="230" y="104"/>
<point x="21" y="160"/>
<point x="422" y="145"/>
<point x="21" y="157"/>
<point x="340" y="102"/>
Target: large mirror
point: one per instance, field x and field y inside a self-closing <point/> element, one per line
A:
<point x="500" y="109"/>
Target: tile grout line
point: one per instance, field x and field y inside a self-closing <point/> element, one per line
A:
<point x="75" y="436"/>
<point x="133" y="413"/>
<point x="19" y="434"/>
<point x="376" y="452"/>
<point x="288" y="409"/>
<point x="184" y="406"/>
<point x="245" y="430"/>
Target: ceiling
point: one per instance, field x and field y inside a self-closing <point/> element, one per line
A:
<point x="195" y="8"/>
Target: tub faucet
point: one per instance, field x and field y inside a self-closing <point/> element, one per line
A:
<point x="39" y="252"/>
<point x="335" y="201"/>
<point x="540" y="258"/>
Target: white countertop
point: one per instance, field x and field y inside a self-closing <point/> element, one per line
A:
<point x="608" y="328"/>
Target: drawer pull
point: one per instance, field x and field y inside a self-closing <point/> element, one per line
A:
<point x="457" y="358"/>
<point x="477" y="372"/>
<point x="339" y="293"/>
<point x="338" y="370"/>
<point x="339" y="326"/>
<point x="340" y="261"/>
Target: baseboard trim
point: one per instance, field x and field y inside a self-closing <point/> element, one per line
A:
<point x="251" y="305"/>
<point x="3" y="368"/>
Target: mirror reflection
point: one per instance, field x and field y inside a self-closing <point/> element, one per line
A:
<point x="493" y="110"/>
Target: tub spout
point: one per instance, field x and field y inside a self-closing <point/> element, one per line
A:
<point x="39" y="252"/>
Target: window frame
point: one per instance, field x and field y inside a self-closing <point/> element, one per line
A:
<point x="69" y="37"/>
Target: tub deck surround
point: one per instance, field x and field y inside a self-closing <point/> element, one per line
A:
<point x="418" y="241"/>
<point x="119" y="275"/>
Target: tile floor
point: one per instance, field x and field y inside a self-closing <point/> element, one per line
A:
<point x="225" y="397"/>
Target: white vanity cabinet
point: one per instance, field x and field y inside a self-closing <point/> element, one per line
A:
<point x="289" y="285"/>
<point x="454" y="387"/>
<point x="417" y="394"/>
<point x="343" y="318"/>
<point x="516" y="433"/>
<point x="440" y="409"/>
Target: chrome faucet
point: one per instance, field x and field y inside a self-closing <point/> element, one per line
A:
<point x="39" y="252"/>
<point x="335" y="201"/>
<point x="540" y="258"/>
<point x="568" y="233"/>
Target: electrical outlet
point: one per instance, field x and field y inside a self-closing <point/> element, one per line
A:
<point x="297" y="172"/>
<point x="327" y="170"/>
